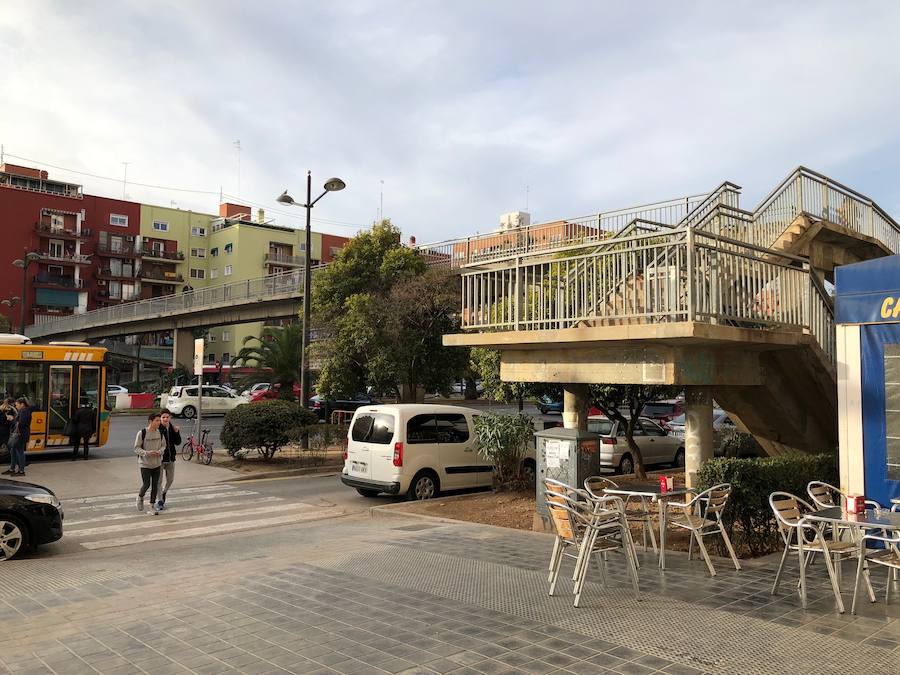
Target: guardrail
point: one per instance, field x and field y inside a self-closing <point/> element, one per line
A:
<point x="198" y="300"/>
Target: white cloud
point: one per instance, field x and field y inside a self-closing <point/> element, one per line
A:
<point x="456" y="106"/>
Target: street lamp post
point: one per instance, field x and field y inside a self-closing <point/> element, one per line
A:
<point x="331" y="185"/>
<point x="24" y="264"/>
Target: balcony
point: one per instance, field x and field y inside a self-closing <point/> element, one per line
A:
<point x="57" y="281"/>
<point x="158" y="277"/>
<point x="284" y="259"/>
<point x="64" y="258"/>
<point x="50" y="232"/>
<point x="164" y="256"/>
<point x="105" y="298"/>
<point x="110" y="275"/>
<point x="118" y="251"/>
<point x="48" y="314"/>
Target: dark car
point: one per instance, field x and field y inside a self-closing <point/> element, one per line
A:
<point x="324" y="407"/>
<point x="30" y="515"/>
<point x="548" y="404"/>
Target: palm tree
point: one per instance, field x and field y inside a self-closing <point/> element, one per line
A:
<point x="274" y="356"/>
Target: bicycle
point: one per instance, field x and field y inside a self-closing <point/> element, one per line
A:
<point x="202" y="448"/>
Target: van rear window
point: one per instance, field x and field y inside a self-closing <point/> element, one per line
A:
<point x="373" y="428"/>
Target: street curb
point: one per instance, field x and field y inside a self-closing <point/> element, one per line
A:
<point x="304" y="471"/>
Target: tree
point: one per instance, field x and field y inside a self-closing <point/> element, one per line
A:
<point x="274" y="357"/>
<point x="611" y="398"/>
<point x="486" y="364"/>
<point x="383" y="313"/>
<point x="503" y="440"/>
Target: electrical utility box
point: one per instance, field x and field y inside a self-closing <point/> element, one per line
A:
<point x="566" y="455"/>
<point x="867" y="314"/>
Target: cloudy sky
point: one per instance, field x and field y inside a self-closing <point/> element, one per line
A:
<point x="455" y="106"/>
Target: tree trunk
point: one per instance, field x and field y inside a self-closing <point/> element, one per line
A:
<point x="471" y="391"/>
<point x="639" y="471"/>
<point x="521" y="402"/>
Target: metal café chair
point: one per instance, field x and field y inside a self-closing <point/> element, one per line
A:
<point x="637" y="509"/>
<point x="702" y="516"/>
<point x="888" y="556"/>
<point x="585" y="525"/>
<point x="803" y="537"/>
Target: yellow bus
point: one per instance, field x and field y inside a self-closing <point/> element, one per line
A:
<point x="56" y="379"/>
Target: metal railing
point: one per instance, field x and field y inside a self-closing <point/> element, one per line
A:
<point x="553" y="236"/>
<point x="61" y="232"/>
<point x="275" y="258"/>
<point x="58" y="280"/>
<point x="150" y="252"/>
<point x="198" y="300"/>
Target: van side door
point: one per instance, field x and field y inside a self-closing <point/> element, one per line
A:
<point x="457" y="448"/>
<point x="423" y="450"/>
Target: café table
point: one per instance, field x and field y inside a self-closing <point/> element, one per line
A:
<point x="652" y="492"/>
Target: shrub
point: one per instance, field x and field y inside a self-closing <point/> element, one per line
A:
<point x="266" y="426"/>
<point x="752" y="481"/>
<point x="502" y="440"/>
<point x="740" y="444"/>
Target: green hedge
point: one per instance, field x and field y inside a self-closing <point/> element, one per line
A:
<point x="266" y="426"/>
<point x="748" y="517"/>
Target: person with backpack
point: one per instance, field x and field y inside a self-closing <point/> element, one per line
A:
<point x="149" y="446"/>
<point x="83" y="426"/>
<point x="172" y="434"/>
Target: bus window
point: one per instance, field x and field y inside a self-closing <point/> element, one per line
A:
<point x="89" y="386"/>
<point x="23" y="379"/>
<point x="60" y="398"/>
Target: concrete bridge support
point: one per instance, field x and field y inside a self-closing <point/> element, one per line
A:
<point x="698" y="432"/>
<point x="575" y="406"/>
<point x="183" y="350"/>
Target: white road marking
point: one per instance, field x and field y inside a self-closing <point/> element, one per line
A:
<point x="161" y="521"/>
<point x="130" y="503"/>
<point x="223" y="528"/>
<point x="174" y="509"/>
<point x="173" y="491"/>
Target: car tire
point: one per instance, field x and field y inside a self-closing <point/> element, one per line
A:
<point x="626" y="464"/>
<point x="13" y="537"/>
<point x="424" y="485"/>
<point x="529" y="471"/>
<point x="367" y="493"/>
<point x="679" y="459"/>
<point x="189" y="412"/>
<point x="542" y="410"/>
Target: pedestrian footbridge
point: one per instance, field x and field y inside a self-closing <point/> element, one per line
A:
<point x="729" y="303"/>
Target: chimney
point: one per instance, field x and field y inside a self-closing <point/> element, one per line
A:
<point x="229" y="210"/>
<point x="260" y="216"/>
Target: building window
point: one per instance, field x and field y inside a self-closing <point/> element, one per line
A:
<point x="115" y="244"/>
<point x="214" y="273"/>
<point x="226" y="337"/>
<point x="118" y="220"/>
<point x="211" y="337"/>
<point x="56" y="249"/>
<point x="160" y="226"/>
<point x="228" y="248"/>
<point x="227" y="271"/>
<point x="302" y="247"/>
<point x="226" y="357"/>
<point x="214" y="251"/>
<point x="211" y="359"/>
<point x="57" y="222"/>
<point x="198" y="231"/>
<point x="276" y="270"/>
<point x="197" y="273"/>
<point x="115" y="290"/>
<point x="157" y="247"/>
<point x="333" y="250"/>
<point x="198" y="252"/>
<point x="115" y="267"/>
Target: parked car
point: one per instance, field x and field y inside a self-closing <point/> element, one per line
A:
<point x="549" y="404"/>
<point x="259" y="386"/>
<point x="415" y="449"/>
<point x="113" y="390"/>
<point x="182" y="400"/>
<point x="30" y="515"/>
<point x="324" y="407"/>
<point x="272" y="392"/>
<point x="663" y="411"/>
<point x="721" y="422"/>
<point x="657" y="447"/>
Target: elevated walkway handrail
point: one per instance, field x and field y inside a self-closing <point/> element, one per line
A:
<point x="727" y="194"/>
<point x="198" y="300"/>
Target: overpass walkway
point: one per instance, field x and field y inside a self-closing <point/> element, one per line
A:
<point x="730" y="301"/>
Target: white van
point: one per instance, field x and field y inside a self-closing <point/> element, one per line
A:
<point x="417" y="450"/>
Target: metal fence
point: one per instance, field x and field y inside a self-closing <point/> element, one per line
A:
<point x="239" y="292"/>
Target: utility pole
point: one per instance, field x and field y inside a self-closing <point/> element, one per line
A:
<point x="381" y="203"/>
<point x="125" y="178"/>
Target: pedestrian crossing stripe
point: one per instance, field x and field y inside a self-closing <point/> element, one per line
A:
<point x="124" y="495"/>
<point x="129" y="501"/>
<point x="177" y="509"/>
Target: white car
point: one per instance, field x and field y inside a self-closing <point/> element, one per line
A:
<point x="113" y="390"/>
<point x="417" y="450"/>
<point x="183" y="401"/>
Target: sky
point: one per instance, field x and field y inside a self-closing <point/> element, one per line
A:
<point x="452" y="113"/>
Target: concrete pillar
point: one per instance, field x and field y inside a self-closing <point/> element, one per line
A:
<point x="183" y="349"/>
<point x="698" y="431"/>
<point x="575" y="406"/>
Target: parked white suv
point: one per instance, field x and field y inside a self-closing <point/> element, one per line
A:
<point x="417" y="450"/>
<point x="183" y="401"/>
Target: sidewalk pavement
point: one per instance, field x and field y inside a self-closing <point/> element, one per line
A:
<point x="97" y="476"/>
<point x="354" y="595"/>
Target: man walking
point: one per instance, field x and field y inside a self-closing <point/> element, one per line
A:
<point x="83" y="427"/>
<point x="172" y="436"/>
<point x="149" y="445"/>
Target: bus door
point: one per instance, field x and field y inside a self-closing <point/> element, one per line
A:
<point x="59" y="408"/>
<point x="89" y="393"/>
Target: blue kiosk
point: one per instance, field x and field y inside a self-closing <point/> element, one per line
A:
<point x="867" y="313"/>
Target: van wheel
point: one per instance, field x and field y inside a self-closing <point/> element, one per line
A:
<point x="367" y="493"/>
<point x="626" y="464"/>
<point x="679" y="459"/>
<point x="424" y="486"/>
<point x="189" y="412"/>
<point x="528" y="472"/>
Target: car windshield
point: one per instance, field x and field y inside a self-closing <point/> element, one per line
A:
<point x="658" y="409"/>
<point x="602" y="427"/>
<point x="678" y="420"/>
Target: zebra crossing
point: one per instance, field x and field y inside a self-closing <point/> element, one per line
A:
<point x="113" y="520"/>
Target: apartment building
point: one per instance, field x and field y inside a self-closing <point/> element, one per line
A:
<point x="92" y="252"/>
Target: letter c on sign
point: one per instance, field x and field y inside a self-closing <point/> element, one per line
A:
<point x="886" y="307"/>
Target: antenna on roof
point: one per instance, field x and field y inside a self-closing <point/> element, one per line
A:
<point x="125" y="179"/>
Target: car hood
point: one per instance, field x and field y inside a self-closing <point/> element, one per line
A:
<point x="17" y="487"/>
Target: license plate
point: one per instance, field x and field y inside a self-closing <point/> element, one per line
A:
<point x="678" y="434"/>
<point x="359" y="467"/>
